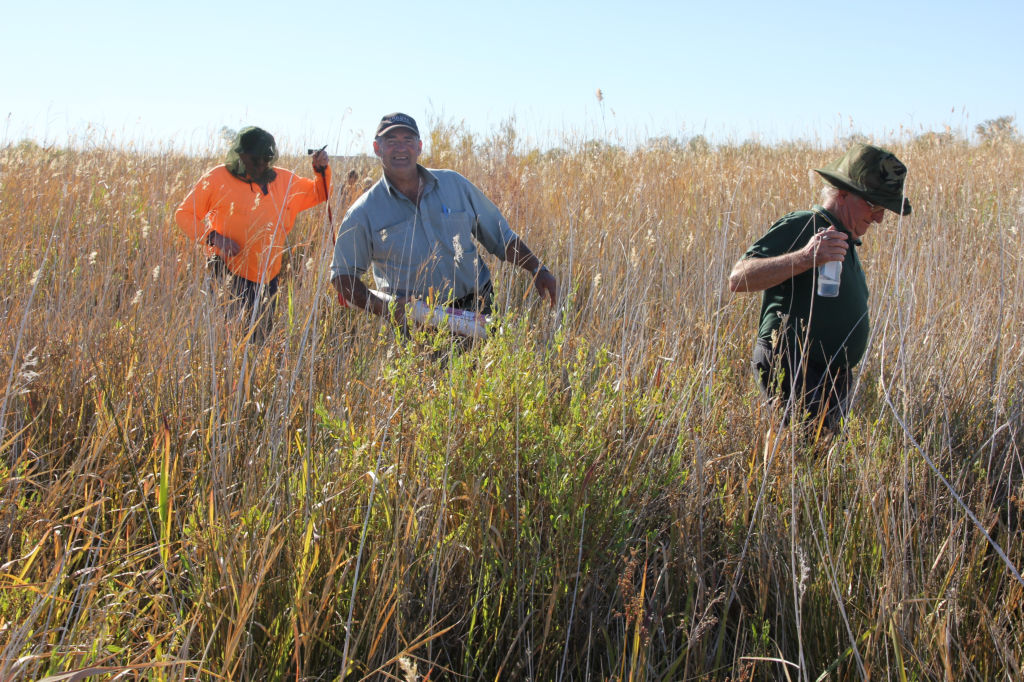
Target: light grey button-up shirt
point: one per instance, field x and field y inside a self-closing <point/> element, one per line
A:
<point x="415" y="248"/>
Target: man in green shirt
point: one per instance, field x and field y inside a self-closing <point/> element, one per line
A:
<point x="807" y="343"/>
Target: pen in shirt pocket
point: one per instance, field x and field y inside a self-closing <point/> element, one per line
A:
<point x="445" y="210"/>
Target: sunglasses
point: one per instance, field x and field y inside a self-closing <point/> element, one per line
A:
<point x="874" y="207"/>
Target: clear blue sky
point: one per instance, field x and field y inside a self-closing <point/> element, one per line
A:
<point x="174" y="73"/>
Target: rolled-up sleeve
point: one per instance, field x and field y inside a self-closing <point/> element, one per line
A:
<point x="352" y="250"/>
<point x="305" y="193"/>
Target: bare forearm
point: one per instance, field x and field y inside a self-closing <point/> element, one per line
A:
<point x="357" y="295"/>
<point x="758" y="274"/>
<point x="516" y="251"/>
<point x="544" y="281"/>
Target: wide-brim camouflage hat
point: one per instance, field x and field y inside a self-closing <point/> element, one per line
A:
<point x="256" y="142"/>
<point x="871" y="173"/>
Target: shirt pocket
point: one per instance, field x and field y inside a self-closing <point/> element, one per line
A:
<point x="457" y="234"/>
<point x="392" y="242"/>
<point x="457" y="222"/>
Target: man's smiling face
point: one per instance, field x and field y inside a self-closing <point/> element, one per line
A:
<point x="398" y="150"/>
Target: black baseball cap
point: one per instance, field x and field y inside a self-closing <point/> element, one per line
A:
<point x="397" y="120"/>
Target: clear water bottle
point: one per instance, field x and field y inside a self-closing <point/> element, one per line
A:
<point x="828" y="278"/>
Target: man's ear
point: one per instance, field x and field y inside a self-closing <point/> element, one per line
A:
<point x="376" y="148"/>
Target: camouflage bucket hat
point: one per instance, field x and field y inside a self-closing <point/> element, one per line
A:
<point x="871" y="173"/>
<point x="250" y="140"/>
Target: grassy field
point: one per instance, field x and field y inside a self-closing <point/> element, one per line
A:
<point x="596" y="493"/>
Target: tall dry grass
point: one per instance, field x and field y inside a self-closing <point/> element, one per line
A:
<point x="595" y="493"/>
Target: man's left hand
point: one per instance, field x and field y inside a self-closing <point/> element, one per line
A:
<point x="545" y="283"/>
<point x="320" y="161"/>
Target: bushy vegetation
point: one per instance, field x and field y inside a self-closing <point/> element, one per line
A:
<point x="594" y="493"/>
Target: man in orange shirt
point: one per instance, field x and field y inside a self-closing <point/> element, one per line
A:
<point x="242" y="211"/>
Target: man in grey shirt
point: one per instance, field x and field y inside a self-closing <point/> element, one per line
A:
<point x="418" y="229"/>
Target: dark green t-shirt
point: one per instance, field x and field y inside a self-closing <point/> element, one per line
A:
<point x="838" y="326"/>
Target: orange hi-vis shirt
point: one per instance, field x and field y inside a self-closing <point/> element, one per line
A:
<point x="257" y="222"/>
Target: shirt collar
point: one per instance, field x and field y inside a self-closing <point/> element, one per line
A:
<point x="835" y="222"/>
<point x="429" y="181"/>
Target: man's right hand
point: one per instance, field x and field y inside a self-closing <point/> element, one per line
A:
<point x="226" y="245"/>
<point x="357" y="295"/>
<point x="758" y="274"/>
<point x="826" y="246"/>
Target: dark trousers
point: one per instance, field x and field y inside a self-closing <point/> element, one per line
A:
<point x="252" y="299"/>
<point x="479" y="301"/>
<point x="812" y="388"/>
